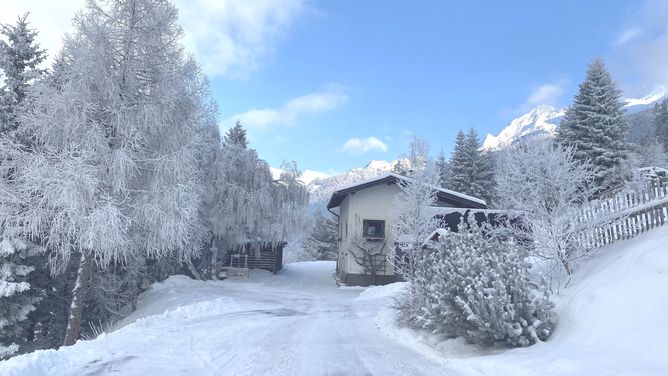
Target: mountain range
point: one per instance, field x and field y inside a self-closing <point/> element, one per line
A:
<point x="545" y="119"/>
<point x="541" y="120"/>
<point x="322" y="188"/>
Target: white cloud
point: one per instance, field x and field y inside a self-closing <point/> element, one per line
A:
<point x="641" y="50"/>
<point x="628" y="35"/>
<point x="545" y="94"/>
<point x="358" y="146"/>
<point x="228" y="37"/>
<point x="232" y="37"/>
<point x="320" y="101"/>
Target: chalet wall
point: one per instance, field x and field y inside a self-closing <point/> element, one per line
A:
<point x="372" y="203"/>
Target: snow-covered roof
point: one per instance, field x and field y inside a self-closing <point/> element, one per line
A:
<point x="443" y="194"/>
<point x="440" y="210"/>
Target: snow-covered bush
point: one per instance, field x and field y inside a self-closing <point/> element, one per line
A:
<point x="16" y="298"/>
<point x="475" y="284"/>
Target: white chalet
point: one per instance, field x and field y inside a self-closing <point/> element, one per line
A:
<point x="365" y="227"/>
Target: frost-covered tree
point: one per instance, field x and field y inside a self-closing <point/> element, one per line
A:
<point x="595" y="126"/>
<point x="660" y="119"/>
<point x="459" y="176"/>
<point x="479" y="166"/>
<point x="20" y="57"/>
<point x="113" y="169"/>
<point x="442" y="169"/>
<point x="244" y="205"/>
<point x="471" y="167"/>
<point x="17" y="297"/>
<point x="321" y="243"/>
<point x="236" y="136"/>
<point x="474" y="283"/>
<point x="653" y="154"/>
<point x="415" y="159"/>
<point x="412" y="222"/>
<point x="547" y="184"/>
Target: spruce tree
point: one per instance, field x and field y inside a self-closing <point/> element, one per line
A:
<point x="470" y="167"/>
<point x="458" y="178"/>
<point x="479" y="166"/>
<point x="661" y="123"/>
<point x="442" y="168"/>
<point x="17" y="298"/>
<point x="236" y="136"/>
<point x="20" y="57"/>
<point x="594" y="125"/>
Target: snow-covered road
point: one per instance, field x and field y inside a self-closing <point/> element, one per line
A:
<point x="294" y="323"/>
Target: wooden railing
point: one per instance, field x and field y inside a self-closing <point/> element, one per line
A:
<point x="624" y="214"/>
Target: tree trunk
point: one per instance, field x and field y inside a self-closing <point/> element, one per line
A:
<point x="78" y="294"/>
<point x="193" y="269"/>
<point x="214" y="258"/>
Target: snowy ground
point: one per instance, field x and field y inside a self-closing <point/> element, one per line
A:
<point x="294" y="323"/>
<point x="611" y="322"/>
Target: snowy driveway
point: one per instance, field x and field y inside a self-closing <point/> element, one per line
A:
<point x="294" y="323"/>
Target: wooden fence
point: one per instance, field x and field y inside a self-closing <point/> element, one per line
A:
<point x="624" y="214"/>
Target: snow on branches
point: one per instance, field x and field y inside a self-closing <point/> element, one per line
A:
<point x="16" y="298"/>
<point x="474" y="284"/>
<point x="547" y="184"/>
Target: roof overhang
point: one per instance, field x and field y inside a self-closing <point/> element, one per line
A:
<point x="454" y="198"/>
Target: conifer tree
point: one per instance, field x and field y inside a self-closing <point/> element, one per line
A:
<point x="17" y="298"/>
<point x="442" y="168"/>
<point x="236" y="136"/>
<point x="479" y="166"/>
<point x="594" y="125"/>
<point x="661" y="123"/>
<point x="20" y="57"/>
<point x="471" y="167"/>
<point x="459" y="178"/>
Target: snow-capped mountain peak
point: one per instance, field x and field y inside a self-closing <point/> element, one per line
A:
<point x="639" y="103"/>
<point x="321" y="189"/>
<point x="540" y="120"/>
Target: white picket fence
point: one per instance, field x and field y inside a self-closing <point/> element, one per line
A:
<point x="624" y="215"/>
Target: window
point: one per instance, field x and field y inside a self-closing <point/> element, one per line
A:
<point x="374" y="229"/>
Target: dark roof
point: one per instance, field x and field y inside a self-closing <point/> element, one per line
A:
<point x="456" y="199"/>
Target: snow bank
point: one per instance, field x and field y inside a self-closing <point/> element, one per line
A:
<point x="379" y="292"/>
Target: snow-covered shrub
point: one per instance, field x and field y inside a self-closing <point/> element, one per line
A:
<point x="475" y="284"/>
<point x="16" y="298"/>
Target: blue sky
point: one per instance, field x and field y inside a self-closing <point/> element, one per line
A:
<point x="394" y="69"/>
<point x="334" y="84"/>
